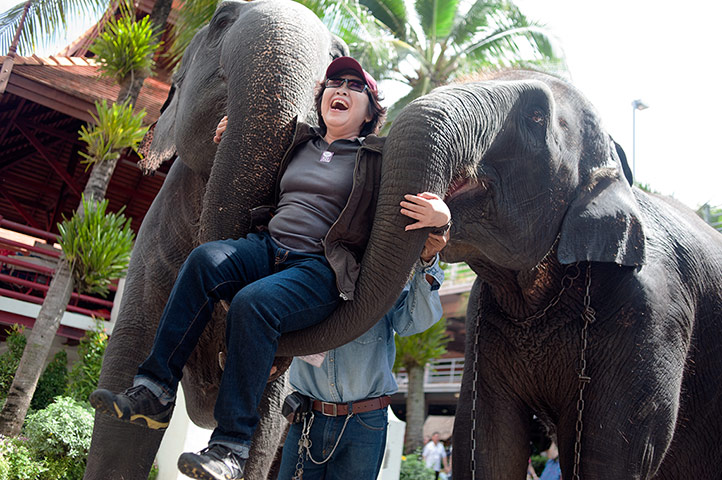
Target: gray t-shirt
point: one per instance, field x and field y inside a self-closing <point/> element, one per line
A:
<point x="314" y="189"/>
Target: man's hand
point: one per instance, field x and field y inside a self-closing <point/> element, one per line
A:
<point x="434" y="244"/>
<point x="427" y="209"/>
<point x="220" y="129"/>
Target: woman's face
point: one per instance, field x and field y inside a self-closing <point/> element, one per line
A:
<point x="344" y="110"/>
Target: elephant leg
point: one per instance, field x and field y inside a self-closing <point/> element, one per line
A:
<point x="121" y="450"/>
<point x="269" y="431"/>
<point x="491" y="434"/>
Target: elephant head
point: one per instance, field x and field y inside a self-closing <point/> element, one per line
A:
<point x="525" y="168"/>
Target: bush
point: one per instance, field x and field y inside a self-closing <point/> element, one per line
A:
<point x="52" y="383"/>
<point x="83" y="377"/>
<point x="62" y="430"/>
<point x="10" y="360"/>
<point x="17" y="461"/>
<point x="413" y="468"/>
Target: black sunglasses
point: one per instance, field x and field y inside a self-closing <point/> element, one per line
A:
<point x="355" y="85"/>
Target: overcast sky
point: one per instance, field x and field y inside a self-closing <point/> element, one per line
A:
<point x="664" y="53"/>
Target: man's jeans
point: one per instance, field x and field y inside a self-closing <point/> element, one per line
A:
<point x="359" y="453"/>
<point x="271" y="291"/>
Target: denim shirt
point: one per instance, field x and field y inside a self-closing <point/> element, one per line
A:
<point x="362" y="368"/>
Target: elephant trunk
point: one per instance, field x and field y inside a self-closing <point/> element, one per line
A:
<point x="272" y="60"/>
<point x="427" y="148"/>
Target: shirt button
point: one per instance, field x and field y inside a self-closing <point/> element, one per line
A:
<point x="330" y="359"/>
<point x="332" y="384"/>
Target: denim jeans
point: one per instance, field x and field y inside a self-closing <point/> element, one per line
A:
<point x="271" y="291"/>
<point x="359" y="453"/>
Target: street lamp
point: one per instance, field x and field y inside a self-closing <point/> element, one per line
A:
<point x="636" y="105"/>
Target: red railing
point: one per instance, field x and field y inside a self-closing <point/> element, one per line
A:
<point x="22" y="279"/>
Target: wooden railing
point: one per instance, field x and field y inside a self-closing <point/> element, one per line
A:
<point x="440" y="375"/>
<point x="25" y="274"/>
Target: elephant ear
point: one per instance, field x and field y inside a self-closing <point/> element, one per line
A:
<point x="158" y="144"/>
<point x="603" y="223"/>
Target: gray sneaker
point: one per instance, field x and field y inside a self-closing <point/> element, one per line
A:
<point x="135" y="405"/>
<point x="215" y="462"/>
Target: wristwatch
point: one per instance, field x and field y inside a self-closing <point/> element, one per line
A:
<point x="442" y="230"/>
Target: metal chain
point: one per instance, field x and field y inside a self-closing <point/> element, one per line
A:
<point x="571" y="273"/>
<point x="475" y="379"/>
<point x="588" y="315"/>
<point x="304" y="444"/>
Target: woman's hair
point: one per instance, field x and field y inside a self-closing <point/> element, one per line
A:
<point x="376" y="111"/>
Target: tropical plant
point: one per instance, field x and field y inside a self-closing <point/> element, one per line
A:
<point x="83" y="377"/>
<point x="413" y="353"/>
<point x="45" y="23"/>
<point x="52" y="382"/>
<point x="98" y="246"/>
<point x="10" y="360"/>
<point x="125" y="47"/>
<point x="436" y="42"/>
<point x="116" y="127"/>
<point x="60" y="289"/>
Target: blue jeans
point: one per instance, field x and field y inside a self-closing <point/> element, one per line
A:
<point x="271" y="291"/>
<point x="359" y="453"/>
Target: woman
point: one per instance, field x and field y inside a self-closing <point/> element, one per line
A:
<point x="289" y="276"/>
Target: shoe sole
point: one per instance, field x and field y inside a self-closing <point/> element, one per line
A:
<point x="189" y="466"/>
<point x="105" y="403"/>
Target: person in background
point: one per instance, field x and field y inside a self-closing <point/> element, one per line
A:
<point x="434" y="454"/>
<point x="552" y="471"/>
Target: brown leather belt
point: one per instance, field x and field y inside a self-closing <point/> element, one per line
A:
<point x="361" y="406"/>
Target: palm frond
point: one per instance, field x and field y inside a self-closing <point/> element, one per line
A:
<point x="392" y="14"/>
<point x="437" y="18"/>
<point x="46" y="23"/>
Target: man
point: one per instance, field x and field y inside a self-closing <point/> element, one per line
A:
<point x="434" y="454"/>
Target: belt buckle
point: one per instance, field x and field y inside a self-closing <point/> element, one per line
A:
<point x="335" y="409"/>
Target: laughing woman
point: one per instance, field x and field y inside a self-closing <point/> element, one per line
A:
<point x="289" y="276"/>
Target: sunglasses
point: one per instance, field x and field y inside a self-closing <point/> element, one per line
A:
<point x="355" y="85"/>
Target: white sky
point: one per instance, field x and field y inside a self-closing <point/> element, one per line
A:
<point x="664" y="53"/>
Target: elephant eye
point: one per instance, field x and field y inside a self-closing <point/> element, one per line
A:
<point x="538" y="117"/>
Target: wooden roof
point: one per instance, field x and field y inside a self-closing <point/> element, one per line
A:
<point x="41" y="175"/>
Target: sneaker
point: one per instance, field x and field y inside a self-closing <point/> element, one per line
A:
<point x="215" y="462"/>
<point x="136" y="405"/>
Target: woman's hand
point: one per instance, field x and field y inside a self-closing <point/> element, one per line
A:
<point x="220" y="129"/>
<point x="427" y="209"/>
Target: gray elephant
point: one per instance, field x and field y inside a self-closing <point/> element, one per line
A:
<point x="597" y="308"/>
<point x="258" y="62"/>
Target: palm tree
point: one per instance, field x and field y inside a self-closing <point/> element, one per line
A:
<point x="41" y="23"/>
<point x="413" y="353"/>
<point x="441" y="40"/>
<point x="62" y="284"/>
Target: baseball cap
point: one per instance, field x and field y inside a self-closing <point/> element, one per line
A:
<point x="347" y="63"/>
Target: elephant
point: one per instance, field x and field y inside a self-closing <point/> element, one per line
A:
<point x="597" y="306"/>
<point x="258" y="62"/>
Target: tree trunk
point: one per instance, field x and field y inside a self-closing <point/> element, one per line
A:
<point x="415" y="409"/>
<point x="36" y="351"/>
<point x="56" y="300"/>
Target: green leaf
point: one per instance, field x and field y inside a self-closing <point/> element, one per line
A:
<point x="97" y="245"/>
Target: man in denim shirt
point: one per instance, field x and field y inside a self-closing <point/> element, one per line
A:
<point x="349" y="443"/>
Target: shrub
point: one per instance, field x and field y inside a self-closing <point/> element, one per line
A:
<point x="83" y="377"/>
<point x="413" y="468"/>
<point x="52" y="382"/>
<point x="17" y="461"/>
<point x="10" y="360"/>
<point x="62" y="430"/>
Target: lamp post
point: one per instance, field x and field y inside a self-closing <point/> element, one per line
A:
<point x="636" y="105"/>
